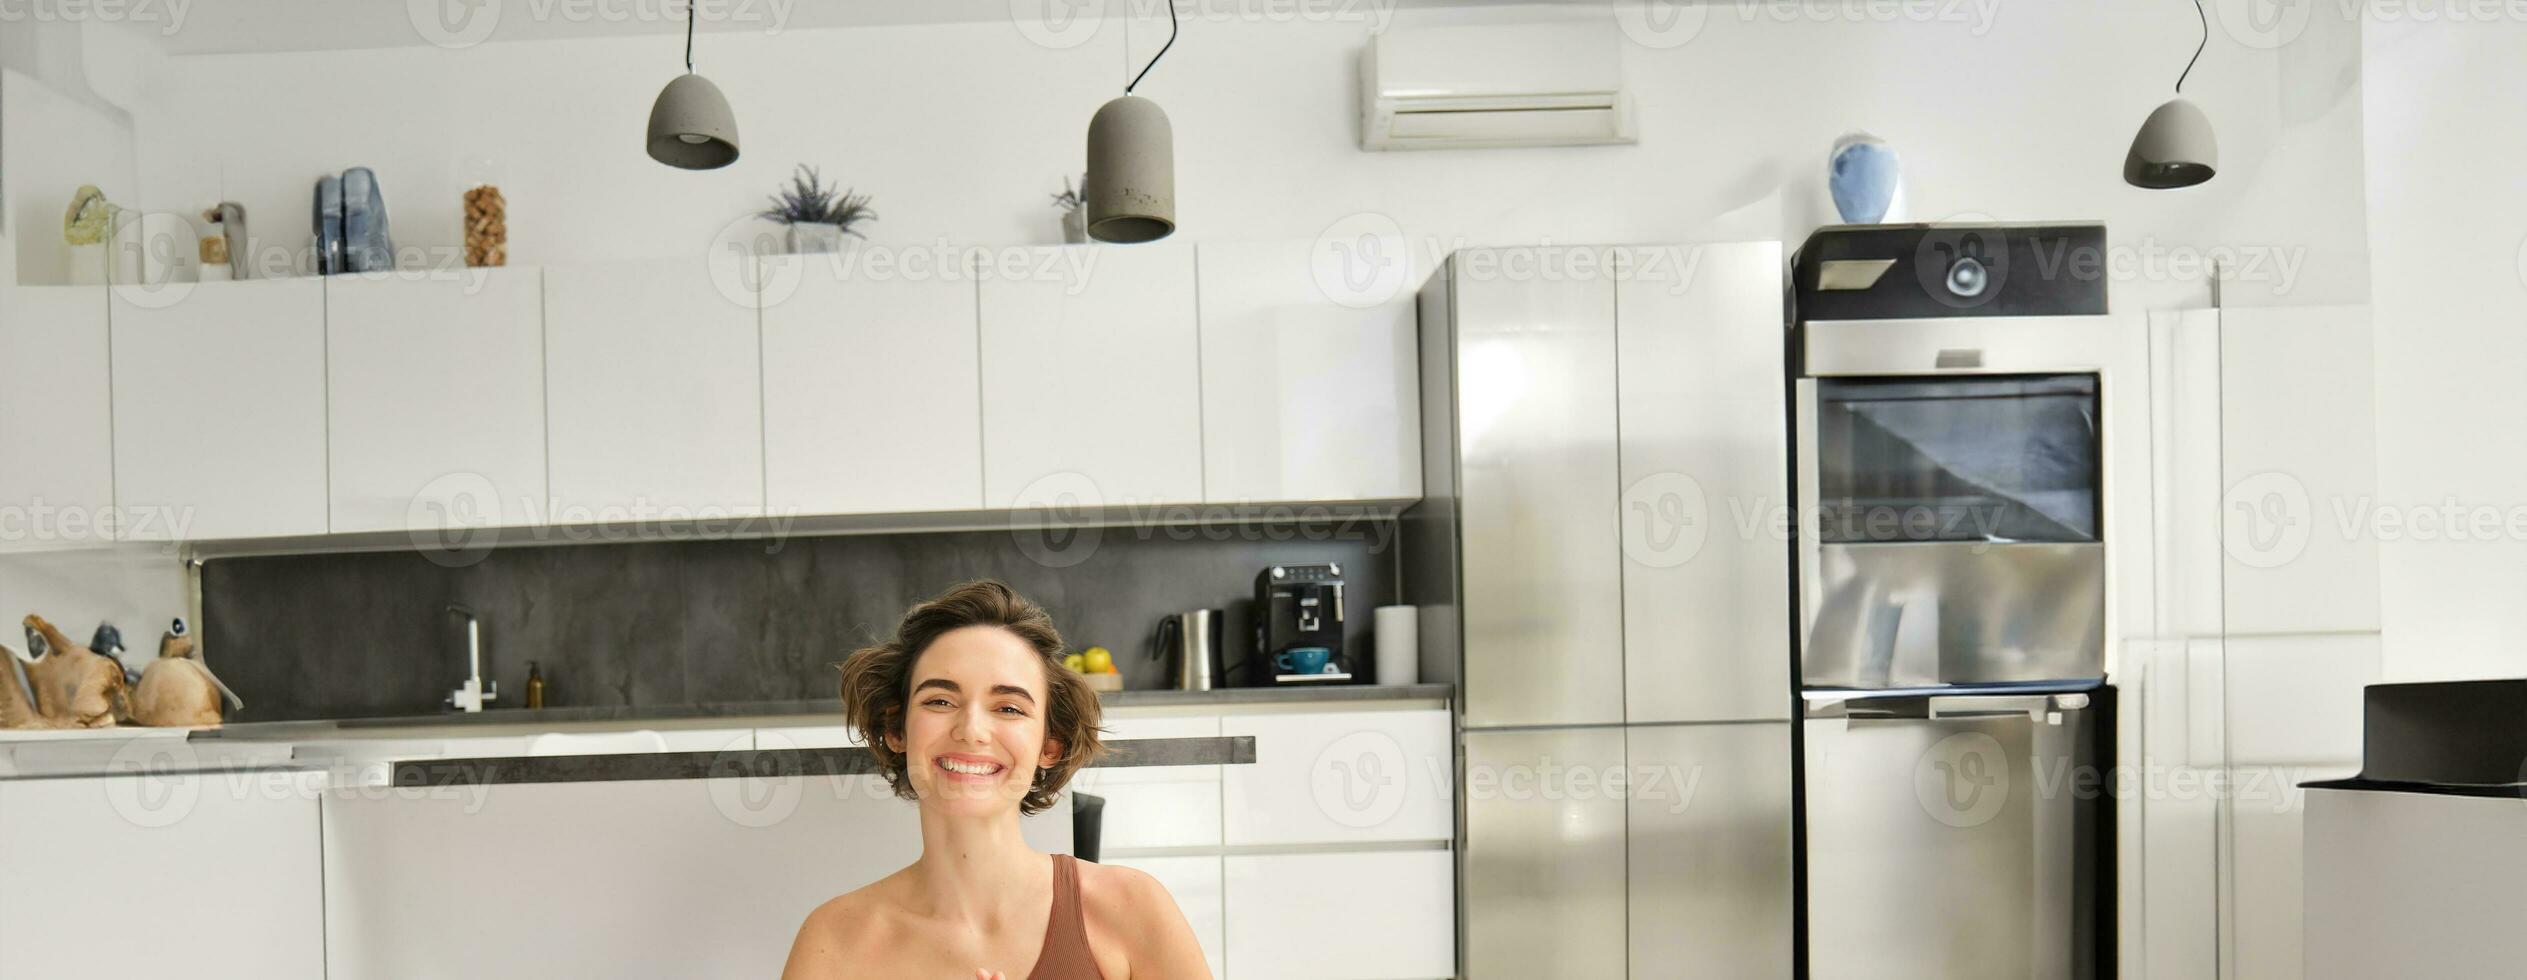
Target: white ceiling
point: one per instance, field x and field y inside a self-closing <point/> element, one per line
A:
<point x="188" y="27"/>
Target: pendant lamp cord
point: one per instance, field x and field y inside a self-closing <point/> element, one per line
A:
<point x="2206" y="42"/>
<point x="688" y="36"/>
<point x="1171" y="42"/>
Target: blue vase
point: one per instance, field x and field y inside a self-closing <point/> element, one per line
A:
<point x="1863" y="175"/>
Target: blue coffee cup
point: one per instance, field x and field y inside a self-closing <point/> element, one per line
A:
<point x="1302" y="660"/>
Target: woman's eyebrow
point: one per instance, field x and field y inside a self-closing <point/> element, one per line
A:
<point x="938" y="682"/>
<point x="1013" y="689"/>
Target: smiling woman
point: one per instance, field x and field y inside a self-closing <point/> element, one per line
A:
<point x="971" y="716"/>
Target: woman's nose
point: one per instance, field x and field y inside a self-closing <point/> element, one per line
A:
<point x="969" y="727"/>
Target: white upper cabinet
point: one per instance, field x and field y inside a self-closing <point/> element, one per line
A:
<point x="1705" y="474"/>
<point x="56" y="419"/>
<point x="437" y="399"/>
<point x="1308" y="373"/>
<point x="653" y="392"/>
<point x="219" y="410"/>
<point x="871" y="391"/>
<point x="1091" y="378"/>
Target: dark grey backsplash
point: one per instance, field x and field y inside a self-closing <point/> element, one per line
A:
<point x="698" y="622"/>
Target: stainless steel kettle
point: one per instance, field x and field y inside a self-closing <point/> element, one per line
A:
<point x="1193" y="638"/>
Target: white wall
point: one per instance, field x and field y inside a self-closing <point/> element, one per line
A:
<point x="2011" y="110"/>
<point x="2448" y="233"/>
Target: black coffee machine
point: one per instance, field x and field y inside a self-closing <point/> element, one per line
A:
<point x="1298" y="626"/>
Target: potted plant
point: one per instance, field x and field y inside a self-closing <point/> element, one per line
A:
<point x="817" y="216"/>
<point x="1074" y="213"/>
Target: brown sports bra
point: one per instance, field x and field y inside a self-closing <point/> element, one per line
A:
<point x="1065" y="955"/>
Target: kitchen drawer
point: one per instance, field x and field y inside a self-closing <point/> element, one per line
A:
<point x="1198" y="888"/>
<point x="1157" y="806"/>
<point x="1339" y="777"/>
<point x="1367" y="915"/>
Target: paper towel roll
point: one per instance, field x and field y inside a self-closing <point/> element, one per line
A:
<point x="1397" y="633"/>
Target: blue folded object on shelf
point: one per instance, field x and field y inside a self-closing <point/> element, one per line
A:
<point x="366" y="245"/>
<point x="328" y="225"/>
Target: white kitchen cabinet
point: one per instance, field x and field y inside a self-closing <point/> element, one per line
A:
<point x="1196" y="884"/>
<point x="2299" y="475"/>
<point x="213" y="875"/>
<point x="1156" y="806"/>
<point x="219" y="410"/>
<point x="1341" y="777"/>
<point x="1708" y="843"/>
<point x="653" y="393"/>
<point x="1309" y="380"/>
<point x="1705" y="474"/>
<point x="871" y="392"/>
<point x="436" y="403"/>
<point x="57" y="420"/>
<point x="1545" y="862"/>
<point x="1352" y="916"/>
<point x="1091" y="378"/>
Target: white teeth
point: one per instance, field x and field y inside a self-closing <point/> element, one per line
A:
<point x="969" y="768"/>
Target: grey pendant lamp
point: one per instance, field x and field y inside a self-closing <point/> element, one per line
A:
<point x="690" y="127"/>
<point x="2175" y="147"/>
<point x="1131" y="187"/>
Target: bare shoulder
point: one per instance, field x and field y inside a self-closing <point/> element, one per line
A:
<point x="1132" y="910"/>
<point x="1119" y="890"/>
<point x="839" y="933"/>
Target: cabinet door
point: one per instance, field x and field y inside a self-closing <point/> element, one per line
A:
<point x="1340" y="777"/>
<point x="654" y="393"/>
<point x="1706" y="553"/>
<point x="1709" y="845"/>
<point x="1091" y="380"/>
<point x="871" y="392"/>
<point x="436" y="396"/>
<point x="1308" y="375"/>
<point x="1536" y="443"/>
<point x="1348" y="916"/>
<point x="219" y="410"/>
<point x="1544" y="858"/>
<point x="165" y="875"/>
<point x="57" y="421"/>
<point x="1156" y="806"/>
<point x="1195" y="883"/>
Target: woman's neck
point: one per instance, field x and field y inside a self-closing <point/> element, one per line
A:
<point x="973" y="869"/>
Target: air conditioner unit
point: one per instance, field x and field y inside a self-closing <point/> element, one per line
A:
<point x="1557" y="83"/>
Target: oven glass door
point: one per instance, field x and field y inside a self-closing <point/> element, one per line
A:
<point x="1985" y="458"/>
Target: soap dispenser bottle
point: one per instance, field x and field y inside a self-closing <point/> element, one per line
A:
<point x="534" y="684"/>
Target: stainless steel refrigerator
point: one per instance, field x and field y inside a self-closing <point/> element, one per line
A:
<point x="1602" y="561"/>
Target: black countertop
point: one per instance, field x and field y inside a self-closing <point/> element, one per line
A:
<point x="2448" y="738"/>
<point x="773" y="763"/>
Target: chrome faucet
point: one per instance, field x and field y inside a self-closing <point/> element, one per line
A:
<point x="471" y="697"/>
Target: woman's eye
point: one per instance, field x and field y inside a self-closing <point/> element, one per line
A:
<point x="1014" y="710"/>
<point x="935" y="703"/>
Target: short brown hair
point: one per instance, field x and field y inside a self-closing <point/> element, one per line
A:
<point x="877" y="683"/>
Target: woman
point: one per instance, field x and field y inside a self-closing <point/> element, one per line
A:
<point x="972" y="716"/>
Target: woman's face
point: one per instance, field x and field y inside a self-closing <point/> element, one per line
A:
<point x="974" y="726"/>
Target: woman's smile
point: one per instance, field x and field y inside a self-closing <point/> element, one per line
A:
<point x="960" y="767"/>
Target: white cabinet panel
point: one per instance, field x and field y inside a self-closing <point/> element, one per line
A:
<point x="57" y="421"/>
<point x="1381" y="914"/>
<point x="436" y="399"/>
<point x="654" y="393"/>
<point x="1544" y="862"/>
<point x="1156" y="806"/>
<point x="1091" y="378"/>
<point x="1706" y="556"/>
<point x="2299" y="475"/>
<point x="1341" y="776"/>
<point x="1308" y="371"/>
<point x="1709" y="848"/>
<point x="203" y="876"/>
<point x="871" y="392"/>
<point x="1195" y="883"/>
<point x="219" y="410"/>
